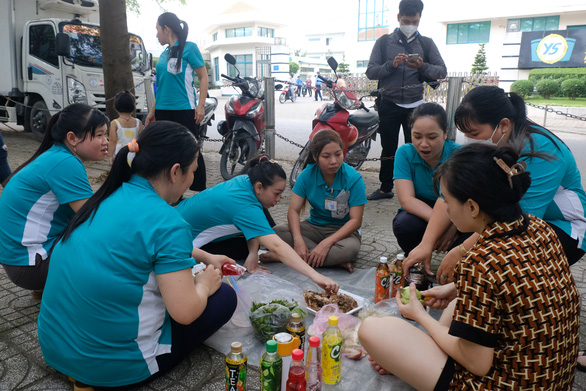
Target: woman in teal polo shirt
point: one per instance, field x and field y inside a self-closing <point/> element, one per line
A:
<point x="42" y="194"/>
<point x="130" y="309"/>
<point x="337" y="195"/>
<point x="176" y="96"/>
<point x="415" y="164"/>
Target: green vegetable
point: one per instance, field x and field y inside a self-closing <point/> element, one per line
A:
<point x="406" y="294"/>
<point x="271" y="318"/>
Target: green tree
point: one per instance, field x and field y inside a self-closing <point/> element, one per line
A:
<point x="343" y="67"/>
<point x="293" y="67"/>
<point x="134" y="5"/>
<point x="300" y="52"/>
<point x="479" y="64"/>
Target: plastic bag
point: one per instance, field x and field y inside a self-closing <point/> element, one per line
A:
<point x="348" y="325"/>
<point x="387" y="307"/>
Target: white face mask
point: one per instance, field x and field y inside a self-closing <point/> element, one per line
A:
<point x="408" y="30"/>
<point x="488" y="141"/>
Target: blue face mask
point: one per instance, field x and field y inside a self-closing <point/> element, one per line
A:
<point x="488" y="141"/>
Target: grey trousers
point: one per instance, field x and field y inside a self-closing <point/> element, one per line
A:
<point x="342" y="251"/>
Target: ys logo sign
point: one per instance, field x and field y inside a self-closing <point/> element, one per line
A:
<point x="551" y="49"/>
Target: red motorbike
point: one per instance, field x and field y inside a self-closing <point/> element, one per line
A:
<point x="357" y="129"/>
<point x="245" y="120"/>
<point x="288" y="92"/>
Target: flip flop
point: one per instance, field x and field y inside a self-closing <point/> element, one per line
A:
<point x="580" y="367"/>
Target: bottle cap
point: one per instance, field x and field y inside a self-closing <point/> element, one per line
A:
<point x="236" y="347"/>
<point x="295" y="317"/>
<point x="314" y="341"/>
<point x="297" y="355"/>
<point x="401" y="256"/>
<point x="271" y="346"/>
<point x="333" y="320"/>
<point x="199" y="267"/>
<point x="383" y="259"/>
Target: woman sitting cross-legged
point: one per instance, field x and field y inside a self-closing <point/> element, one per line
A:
<point x="513" y="304"/>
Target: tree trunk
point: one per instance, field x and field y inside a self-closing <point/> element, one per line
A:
<point x="115" y="52"/>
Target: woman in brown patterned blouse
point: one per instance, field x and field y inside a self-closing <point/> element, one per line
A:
<point x="511" y="317"/>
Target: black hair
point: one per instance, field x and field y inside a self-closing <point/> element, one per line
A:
<point x="431" y="109"/>
<point x="489" y="105"/>
<point x="261" y="169"/>
<point x="410" y="7"/>
<point x="171" y="20"/>
<point x="78" y="118"/>
<point x="161" y="145"/>
<point x="472" y="173"/>
<point x="319" y="141"/>
<point x="125" y="102"/>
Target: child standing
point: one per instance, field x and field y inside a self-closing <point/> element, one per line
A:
<point x="125" y="127"/>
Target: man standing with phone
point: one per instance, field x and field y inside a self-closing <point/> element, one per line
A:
<point x="401" y="62"/>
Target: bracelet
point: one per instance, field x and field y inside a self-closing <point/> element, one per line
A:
<point x="463" y="250"/>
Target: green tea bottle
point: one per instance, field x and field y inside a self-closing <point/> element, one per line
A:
<point x="271" y="368"/>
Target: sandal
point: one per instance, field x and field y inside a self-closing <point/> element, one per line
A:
<point x="580" y="367"/>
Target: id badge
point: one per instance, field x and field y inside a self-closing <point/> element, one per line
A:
<point x="331" y="205"/>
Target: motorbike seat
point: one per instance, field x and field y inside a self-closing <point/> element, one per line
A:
<point x="363" y="119"/>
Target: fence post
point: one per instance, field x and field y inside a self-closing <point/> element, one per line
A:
<point x="269" y="86"/>
<point x="545" y="115"/>
<point x="452" y="102"/>
<point x="149" y="91"/>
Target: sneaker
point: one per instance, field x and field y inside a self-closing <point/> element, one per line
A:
<point x="379" y="195"/>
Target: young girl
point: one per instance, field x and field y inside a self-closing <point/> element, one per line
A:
<point x="415" y="164"/>
<point x="125" y="127"/>
<point x="121" y="305"/>
<point x="337" y="196"/>
<point x="42" y="194"/>
<point x="514" y="302"/>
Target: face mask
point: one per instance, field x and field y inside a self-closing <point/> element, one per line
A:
<point x="408" y="30"/>
<point x="488" y="141"/>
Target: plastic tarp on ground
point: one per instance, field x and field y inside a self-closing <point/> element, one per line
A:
<point x="356" y="375"/>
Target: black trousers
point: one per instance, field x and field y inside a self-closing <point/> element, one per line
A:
<point x="570" y="245"/>
<point x="187" y="119"/>
<point x="391" y="119"/>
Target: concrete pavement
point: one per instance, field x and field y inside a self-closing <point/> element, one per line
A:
<point x="21" y="363"/>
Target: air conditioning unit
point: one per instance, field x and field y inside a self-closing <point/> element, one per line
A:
<point x="81" y="7"/>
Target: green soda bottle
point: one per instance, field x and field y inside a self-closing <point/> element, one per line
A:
<point x="331" y="352"/>
<point x="236" y="368"/>
<point x="271" y="368"/>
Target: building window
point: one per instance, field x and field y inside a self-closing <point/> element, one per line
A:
<point x="373" y="19"/>
<point x="217" y="68"/>
<point x="476" y="32"/>
<point x="239" y="32"/>
<point x="244" y="65"/>
<point x="306" y="70"/>
<point x="362" y="63"/>
<point x="314" y="39"/>
<point x="266" y="32"/>
<point x="215" y="36"/>
<point x="578" y="26"/>
<point x="542" y="23"/>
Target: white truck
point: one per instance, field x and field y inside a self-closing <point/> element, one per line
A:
<point x="51" y="57"/>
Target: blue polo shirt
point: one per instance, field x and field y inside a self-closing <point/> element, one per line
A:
<point x="410" y="165"/>
<point x="348" y="190"/>
<point x="103" y="320"/>
<point x="175" y="90"/>
<point x="556" y="194"/>
<point x="35" y="205"/>
<point x="226" y="210"/>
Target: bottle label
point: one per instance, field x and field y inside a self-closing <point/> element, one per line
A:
<point x="235" y="375"/>
<point x="383" y="282"/>
<point x="331" y="354"/>
<point x="270" y="375"/>
<point x="298" y="332"/>
<point x="397" y="282"/>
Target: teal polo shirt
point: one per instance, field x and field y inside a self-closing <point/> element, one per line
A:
<point x="103" y="320"/>
<point x="35" y="205"/>
<point x="226" y="210"/>
<point x="410" y="165"/>
<point x="175" y="90"/>
<point x="311" y="185"/>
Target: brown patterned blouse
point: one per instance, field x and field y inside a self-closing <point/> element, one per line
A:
<point x="517" y="295"/>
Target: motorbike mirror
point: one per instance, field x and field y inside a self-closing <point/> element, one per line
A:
<point x="278" y="87"/>
<point x="374" y="93"/>
<point x="230" y="58"/>
<point x="333" y="63"/>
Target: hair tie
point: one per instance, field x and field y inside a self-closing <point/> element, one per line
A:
<point x="133" y="146"/>
<point x="515" y="169"/>
<point x="265" y="158"/>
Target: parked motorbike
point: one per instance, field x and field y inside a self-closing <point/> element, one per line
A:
<point x="288" y="92"/>
<point x="245" y="120"/>
<point x="357" y="129"/>
<point x="305" y="90"/>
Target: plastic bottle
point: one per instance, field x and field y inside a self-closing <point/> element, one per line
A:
<point x="313" y="365"/>
<point x="231" y="269"/>
<point x="297" y="329"/>
<point x="382" y="283"/>
<point x="296" y="380"/>
<point x="331" y="352"/>
<point x="271" y="368"/>
<point x="397" y="275"/>
<point x="236" y="368"/>
<point x="417" y="275"/>
<point x="286" y="343"/>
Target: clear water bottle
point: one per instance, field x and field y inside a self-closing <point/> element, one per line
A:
<point x="313" y="368"/>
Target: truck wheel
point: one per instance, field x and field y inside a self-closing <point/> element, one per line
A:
<point x="39" y="117"/>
